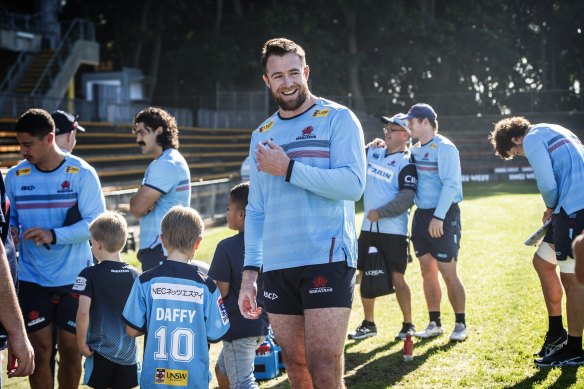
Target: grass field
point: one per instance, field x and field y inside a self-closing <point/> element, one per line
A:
<point x="506" y="314"/>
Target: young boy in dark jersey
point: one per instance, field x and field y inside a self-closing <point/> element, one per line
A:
<point x="111" y="355"/>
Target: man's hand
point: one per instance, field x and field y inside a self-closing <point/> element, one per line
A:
<point x="38" y="235"/>
<point x="271" y="159"/>
<point x="376" y="143"/>
<point x="247" y="295"/>
<point x="373" y="215"/>
<point x="15" y="235"/>
<point x="436" y="229"/>
<point x="20" y="356"/>
<point x="547" y="214"/>
<point x="85" y="350"/>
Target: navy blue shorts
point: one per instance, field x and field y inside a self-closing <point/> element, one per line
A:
<point x="565" y="229"/>
<point x="100" y="373"/>
<point x="394" y="249"/>
<point x="291" y="291"/>
<point x="445" y="248"/>
<point x="41" y="306"/>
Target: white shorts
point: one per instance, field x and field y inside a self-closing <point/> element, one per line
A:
<point x="545" y="252"/>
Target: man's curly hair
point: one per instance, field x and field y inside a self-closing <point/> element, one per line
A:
<point x="505" y="130"/>
<point x="153" y="118"/>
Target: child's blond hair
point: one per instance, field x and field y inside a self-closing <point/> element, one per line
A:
<point x="181" y="228"/>
<point x="111" y="230"/>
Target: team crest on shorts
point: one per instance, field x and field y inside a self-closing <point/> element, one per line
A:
<point x="171" y="377"/>
<point x="319" y="284"/>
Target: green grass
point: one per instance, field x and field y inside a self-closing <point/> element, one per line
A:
<point x="506" y="314"/>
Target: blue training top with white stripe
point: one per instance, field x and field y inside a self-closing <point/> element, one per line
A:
<point x="42" y="199"/>
<point x="310" y="219"/>
<point x="180" y="310"/>
<point x="439" y="175"/>
<point x="557" y="158"/>
<point x="170" y="175"/>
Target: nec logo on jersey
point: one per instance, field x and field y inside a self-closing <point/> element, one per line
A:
<point x="266" y="127"/>
<point x="27" y="187"/>
<point x="72" y="169"/>
<point x="65" y="187"/>
<point x="23" y="172"/>
<point x="171" y="377"/>
<point x="319" y="284"/>
<point x="320" y="113"/>
<point x="306" y="133"/>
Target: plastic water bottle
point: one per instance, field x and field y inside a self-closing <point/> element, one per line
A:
<point x="408" y="348"/>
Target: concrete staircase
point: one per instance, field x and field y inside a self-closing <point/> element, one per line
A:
<point x="36" y="68"/>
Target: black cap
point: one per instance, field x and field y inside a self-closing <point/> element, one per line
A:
<point x="65" y="122"/>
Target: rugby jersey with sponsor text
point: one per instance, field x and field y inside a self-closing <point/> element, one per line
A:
<point x="180" y="310"/>
<point x="170" y="175"/>
<point x="557" y="158"/>
<point x="309" y="219"/>
<point x="387" y="174"/>
<point x="42" y="199"/>
<point x="439" y="175"/>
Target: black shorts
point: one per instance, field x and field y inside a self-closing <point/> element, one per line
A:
<point x="565" y="229"/>
<point x="445" y="248"/>
<point x="394" y="249"/>
<point x="100" y="373"/>
<point x="291" y="291"/>
<point x="42" y="306"/>
<point x="150" y="258"/>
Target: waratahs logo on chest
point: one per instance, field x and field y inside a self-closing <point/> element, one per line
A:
<point x="306" y="133"/>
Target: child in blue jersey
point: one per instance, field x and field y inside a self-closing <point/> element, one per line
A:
<point x="557" y="158"/>
<point x="112" y="359"/>
<point x="236" y="362"/>
<point x="178" y="307"/>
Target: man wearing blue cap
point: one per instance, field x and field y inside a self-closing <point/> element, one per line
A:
<point x="436" y="228"/>
<point x="389" y="193"/>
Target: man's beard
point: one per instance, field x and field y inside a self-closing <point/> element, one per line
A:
<point x="294" y="104"/>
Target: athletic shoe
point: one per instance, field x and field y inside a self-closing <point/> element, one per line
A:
<point x="459" y="334"/>
<point x="364" y="331"/>
<point x="431" y="331"/>
<point x="407" y="328"/>
<point x="552" y="343"/>
<point x="562" y="357"/>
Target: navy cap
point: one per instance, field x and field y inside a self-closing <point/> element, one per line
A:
<point x="397" y="119"/>
<point x="421" y="110"/>
<point x="65" y="122"/>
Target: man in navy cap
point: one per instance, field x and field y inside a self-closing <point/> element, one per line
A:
<point x="436" y="228"/>
<point x="66" y="128"/>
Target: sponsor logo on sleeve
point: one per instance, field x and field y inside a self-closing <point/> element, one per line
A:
<point x="223" y="311"/>
<point x="320" y="113"/>
<point x="23" y="172"/>
<point x="80" y="283"/>
<point x="433" y="146"/>
<point x="171" y="377"/>
<point x="266" y="127"/>
<point x="177" y="292"/>
<point x="72" y="169"/>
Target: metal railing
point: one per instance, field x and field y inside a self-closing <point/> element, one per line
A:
<point x="79" y="29"/>
<point x="14" y="73"/>
<point x="18" y="22"/>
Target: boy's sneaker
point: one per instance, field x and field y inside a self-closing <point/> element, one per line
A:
<point x="407" y="328"/>
<point x="562" y="357"/>
<point x="459" y="334"/>
<point x="365" y="330"/>
<point x="431" y="331"/>
<point x="552" y="343"/>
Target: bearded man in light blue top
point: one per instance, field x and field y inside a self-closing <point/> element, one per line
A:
<point x="167" y="181"/>
<point x="436" y="229"/>
<point x="308" y="168"/>
<point x="557" y="158"/>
